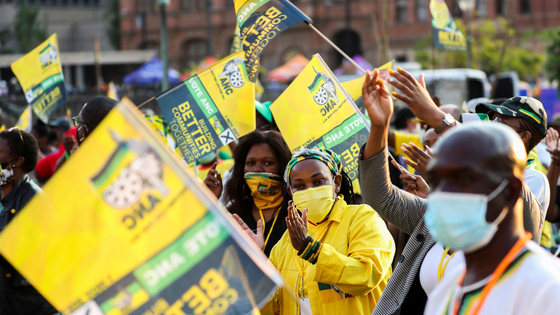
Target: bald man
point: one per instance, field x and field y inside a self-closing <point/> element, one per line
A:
<point x="90" y="116"/>
<point x="417" y="272"/>
<point x="452" y="109"/>
<point x="475" y="207"/>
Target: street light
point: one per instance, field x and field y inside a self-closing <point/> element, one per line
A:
<point x="467" y="6"/>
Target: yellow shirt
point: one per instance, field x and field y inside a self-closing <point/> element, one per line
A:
<point x="352" y="270"/>
<point x="546" y="237"/>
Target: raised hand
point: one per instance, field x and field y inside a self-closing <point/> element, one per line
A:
<point x="214" y="181"/>
<point x="416" y="97"/>
<point x="297" y="226"/>
<point x="416" y="158"/>
<point x="552" y="138"/>
<point x="377" y="100"/>
<point x="257" y="238"/>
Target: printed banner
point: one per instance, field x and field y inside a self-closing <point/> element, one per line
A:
<point x="40" y="75"/>
<point x="25" y="121"/>
<point x="140" y="236"/>
<point x="211" y="108"/>
<point x="260" y="21"/>
<point x="324" y="116"/>
<point x="445" y="33"/>
<point x="235" y="47"/>
<point x="354" y="87"/>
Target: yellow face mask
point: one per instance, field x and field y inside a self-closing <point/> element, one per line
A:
<point x="266" y="190"/>
<point x="317" y="200"/>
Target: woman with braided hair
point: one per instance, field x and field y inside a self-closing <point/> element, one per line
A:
<point x="335" y="256"/>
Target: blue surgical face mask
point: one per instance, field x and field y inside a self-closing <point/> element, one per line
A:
<point x="458" y="220"/>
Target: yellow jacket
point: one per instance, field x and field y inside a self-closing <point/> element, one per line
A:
<point x="355" y="258"/>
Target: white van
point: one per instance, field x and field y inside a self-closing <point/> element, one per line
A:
<point x="453" y="86"/>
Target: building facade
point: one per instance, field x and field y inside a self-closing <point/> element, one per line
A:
<point x="349" y="23"/>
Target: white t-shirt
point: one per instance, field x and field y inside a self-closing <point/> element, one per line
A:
<point x="529" y="286"/>
<point x="538" y="184"/>
<point x="544" y="156"/>
<point x="430" y="265"/>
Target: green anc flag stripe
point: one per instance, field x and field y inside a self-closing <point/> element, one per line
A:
<point x="257" y="4"/>
<point x="109" y="169"/>
<point x="316" y="83"/>
<point x="45" y="49"/>
<point x="530" y="115"/>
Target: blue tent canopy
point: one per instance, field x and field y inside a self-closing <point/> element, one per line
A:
<point x="151" y="73"/>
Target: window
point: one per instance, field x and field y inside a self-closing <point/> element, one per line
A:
<point x="401" y="58"/>
<point x="481" y="7"/>
<point x="195" y="51"/>
<point x="187" y="5"/>
<point x="421" y="11"/>
<point x="500" y="7"/>
<point x="195" y="5"/>
<point x="401" y="11"/>
<point x="525" y="6"/>
<point x="229" y="4"/>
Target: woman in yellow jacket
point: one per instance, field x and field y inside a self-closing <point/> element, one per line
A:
<point x="336" y="257"/>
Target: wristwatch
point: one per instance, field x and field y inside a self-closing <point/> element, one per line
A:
<point x="447" y="121"/>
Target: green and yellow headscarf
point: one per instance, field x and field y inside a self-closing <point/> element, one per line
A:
<point x="330" y="158"/>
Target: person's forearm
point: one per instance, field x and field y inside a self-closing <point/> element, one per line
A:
<point x="552" y="175"/>
<point x="377" y="141"/>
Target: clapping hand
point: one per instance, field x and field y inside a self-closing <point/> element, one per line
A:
<point x="297" y="226"/>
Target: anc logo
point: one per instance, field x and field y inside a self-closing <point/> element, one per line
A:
<point x="48" y="55"/>
<point x="322" y="88"/>
<point x="144" y="171"/>
<point x="232" y="71"/>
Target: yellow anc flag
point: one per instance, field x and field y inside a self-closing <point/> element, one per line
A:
<point x="446" y="35"/>
<point x="112" y="91"/>
<point x="137" y="233"/>
<point x="260" y="21"/>
<point x="211" y="108"/>
<point x="25" y="121"/>
<point x="354" y="87"/>
<point x="324" y="116"/>
<point x="40" y="75"/>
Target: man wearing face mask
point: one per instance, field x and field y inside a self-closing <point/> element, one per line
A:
<point x="475" y="207"/>
<point x="18" y="156"/>
<point x="91" y="115"/>
<point x="424" y="261"/>
<point x="527" y="117"/>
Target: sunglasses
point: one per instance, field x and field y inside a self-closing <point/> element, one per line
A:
<point x="505" y="122"/>
<point x="19" y="131"/>
<point x="76" y="121"/>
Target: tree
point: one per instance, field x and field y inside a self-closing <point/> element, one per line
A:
<point x="487" y="41"/>
<point x="112" y="15"/>
<point x="28" y="32"/>
<point x="552" y="65"/>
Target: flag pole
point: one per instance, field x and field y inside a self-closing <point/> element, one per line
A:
<point x="336" y="47"/>
<point x="146" y="102"/>
<point x="161" y="93"/>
